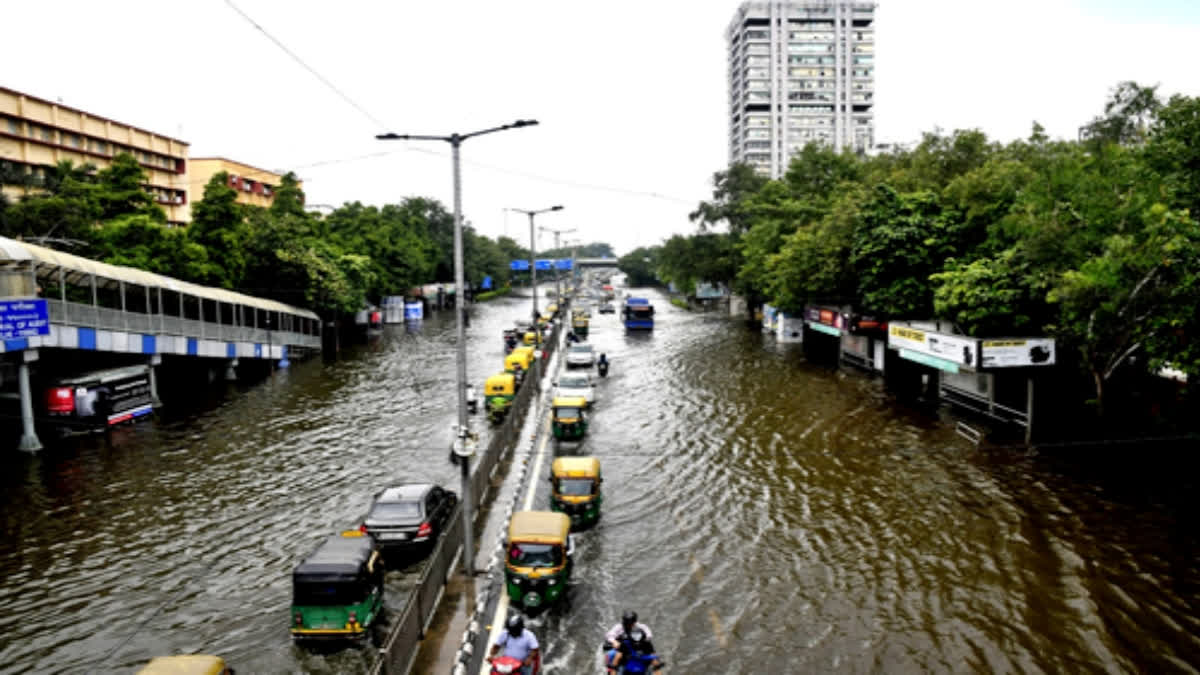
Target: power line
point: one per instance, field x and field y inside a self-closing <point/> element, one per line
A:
<point x="307" y="67"/>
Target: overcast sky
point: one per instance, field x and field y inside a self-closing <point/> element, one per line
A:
<point x="631" y="94"/>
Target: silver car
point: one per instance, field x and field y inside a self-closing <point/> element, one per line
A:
<point x="575" y="384"/>
<point x="581" y="355"/>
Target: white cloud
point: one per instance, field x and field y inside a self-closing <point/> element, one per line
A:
<point x="630" y="94"/>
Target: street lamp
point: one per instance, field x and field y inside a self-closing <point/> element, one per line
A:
<point x="533" y="260"/>
<point x="557" y="245"/>
<point x="461" y="447"/>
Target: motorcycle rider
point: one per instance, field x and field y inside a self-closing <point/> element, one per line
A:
<point x="518" y="643"/>
<point x="636" y="655"/>
<point x="619" y="635"/>
<point x="602" y="365"/>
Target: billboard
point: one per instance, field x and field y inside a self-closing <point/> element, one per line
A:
<point x="1018" y="352"/>
<point x="958" y="350"/>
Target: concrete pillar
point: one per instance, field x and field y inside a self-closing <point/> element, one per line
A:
<point x="155" y="361"/>
<point x="231" y="370"/>
<point x="29" y="439"/>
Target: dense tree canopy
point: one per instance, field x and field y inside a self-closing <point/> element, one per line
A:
<point x="1095" y="242"/>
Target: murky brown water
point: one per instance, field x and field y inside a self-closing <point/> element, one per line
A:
<point x="762" y="514"/>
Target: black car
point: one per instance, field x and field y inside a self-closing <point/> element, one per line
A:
<point x="409" y="516"/>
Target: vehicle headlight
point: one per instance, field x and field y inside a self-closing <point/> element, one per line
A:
<point x="533" y="599"/>
<point x="552" y="582"/>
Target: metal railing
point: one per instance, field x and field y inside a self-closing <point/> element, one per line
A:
<point x="90" y="316"/>
<point x="399" y="649"/>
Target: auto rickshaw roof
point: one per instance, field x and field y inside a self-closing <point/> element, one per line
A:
<point x="569" y="402"/>
<point x="539" y="527"/>
<point x="500" y="380"/>
<point x="576" y="467"/>
<point x="184" y="664"/>
<point x="338" y="555"/>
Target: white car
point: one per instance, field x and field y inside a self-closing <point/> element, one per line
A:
<point x="575" y="384"/>
<point x="581" y="355"/>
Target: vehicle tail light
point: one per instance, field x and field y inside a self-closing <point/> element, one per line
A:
<point x="60" y="400"/>
<point x="424" y="530"/>
<point x="363" y="528"/>
<point x="299" y="619"/>
<point x="353" y="617"/>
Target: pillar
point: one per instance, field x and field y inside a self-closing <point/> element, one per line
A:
<point x="155" y="360"/>
<point x="29" y="439"/>
<point x="231" y="370"/>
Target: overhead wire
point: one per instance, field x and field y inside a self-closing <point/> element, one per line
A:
<point x="297" y="59"/>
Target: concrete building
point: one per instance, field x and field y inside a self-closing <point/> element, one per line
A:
<point x="36" y="133"/>
<point x="800" y="71"/>
<point x="255" y="187"/>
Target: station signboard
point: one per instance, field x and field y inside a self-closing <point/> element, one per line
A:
<point x="24" y="318"/>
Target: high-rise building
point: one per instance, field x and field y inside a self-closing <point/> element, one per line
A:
<point x="800" y="71"/>
<point x="36" y="134"/>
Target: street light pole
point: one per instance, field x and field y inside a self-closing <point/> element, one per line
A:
<point x="533" y="260"/>
<point x="557" y="245"/>
<point x="463" y="446"/>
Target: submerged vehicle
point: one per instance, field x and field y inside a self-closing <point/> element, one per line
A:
<point x="519" y="362"/>
<point x="409" y="517"/>
<point x="540" y="558"/>
<point x="337" y="591"/>
<point x="575" y="489"/>
<point x="97" y="400"/>
<point x="498" y="393"/>
<point x="638" y="314"/>
<point x="186" y="664"/>
<point x="567" y="421"/>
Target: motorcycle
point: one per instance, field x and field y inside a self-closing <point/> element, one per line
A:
<point x="602" y="367"/>
<point x="507" y="665"/>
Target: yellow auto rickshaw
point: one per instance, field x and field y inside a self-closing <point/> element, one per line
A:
<point x="575" y="489"/>
<point x="186" y="664"/>
<point x="498" y="393"/>
<point x="521" y="357"/>
<point x="540" y="551"/>
<point x="567" y="421"/>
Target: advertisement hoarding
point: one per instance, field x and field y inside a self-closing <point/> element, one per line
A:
<point x="957" y="349"/>
<point x="1018" y="352"/>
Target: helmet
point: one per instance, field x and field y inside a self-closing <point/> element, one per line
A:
<point x="628" y="619"/>
<point x="516" y="625"/>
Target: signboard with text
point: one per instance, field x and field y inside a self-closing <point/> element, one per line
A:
<point x="957" y="349"/>
<point x="24" y="318"/>
<point x="1018" y="352"/>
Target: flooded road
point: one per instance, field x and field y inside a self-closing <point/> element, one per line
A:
<point x="762" y="515"/>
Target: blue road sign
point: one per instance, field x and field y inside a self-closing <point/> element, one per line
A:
<point x="487" y="283"/>
<point x="564" y="264"/>
<point x="24" y="318"/>
<point x="544" y="264"/>
<point x="519" y="265"/>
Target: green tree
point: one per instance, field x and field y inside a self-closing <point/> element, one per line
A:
<point x="731" y="188"/>
<point x="218" y="224"/>
<point x="120" y="190"/>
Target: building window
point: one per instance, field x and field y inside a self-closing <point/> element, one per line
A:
<point x="14" y="126"/>
<point x="74" y="140"/>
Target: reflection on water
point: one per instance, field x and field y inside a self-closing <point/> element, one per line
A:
<point x="760" y="513"/>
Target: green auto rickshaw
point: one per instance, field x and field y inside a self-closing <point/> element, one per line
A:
<point x="498" y="393"/>
<point x="539" y="561"/>
<point x="579" y="324"/>
<point x="567" y="421"/>
<point x="337" y="591"/>
<point x="575" y="489"/>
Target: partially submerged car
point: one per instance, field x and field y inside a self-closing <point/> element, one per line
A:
<point x="409" y="517"/>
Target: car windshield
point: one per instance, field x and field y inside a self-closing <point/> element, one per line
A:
<point x="566" y="413"/>
<point x="396" y="510"/>
<point x="575" y="487"/>
<point x="581" y="349"/>
<point x="573" y="381"/>
<point x="534" y="555"/>
<point x="329" y="593"/>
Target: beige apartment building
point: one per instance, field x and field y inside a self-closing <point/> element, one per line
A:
<point x="255" y="186"/>
<point x="36" y="133"/>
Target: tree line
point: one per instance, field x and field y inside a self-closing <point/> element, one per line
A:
<point x="334" y="264"/>
<point x="1094" y="241"/>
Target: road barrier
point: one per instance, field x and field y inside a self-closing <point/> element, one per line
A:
<point x="407" y="628"/>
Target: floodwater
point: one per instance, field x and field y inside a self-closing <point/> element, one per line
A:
<point x="762" y="514"/>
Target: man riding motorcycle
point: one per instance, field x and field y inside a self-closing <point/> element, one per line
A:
<point x="518" y="643"/>
<point x="636" y="655"/>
